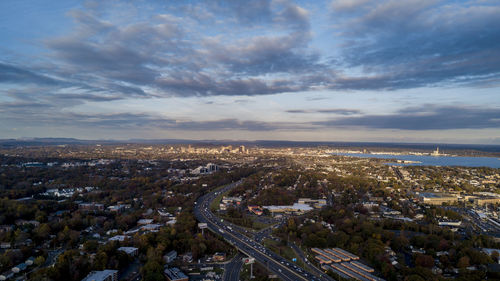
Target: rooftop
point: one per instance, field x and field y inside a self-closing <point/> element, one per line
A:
<point x="174" y="273"/>
<point x="99" y="275"/>
<point x="295" y="206"/>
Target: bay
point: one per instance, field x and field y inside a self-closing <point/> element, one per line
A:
<point x="428" y="160"/>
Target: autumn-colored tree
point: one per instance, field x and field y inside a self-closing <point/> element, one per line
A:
<point x="424" y="261"/>
<point x="463" y="262"/>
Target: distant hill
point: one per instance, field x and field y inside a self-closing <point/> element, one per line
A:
<point x="47" y="141"/>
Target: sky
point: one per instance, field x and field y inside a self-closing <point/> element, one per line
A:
<point x="342" y="70"/>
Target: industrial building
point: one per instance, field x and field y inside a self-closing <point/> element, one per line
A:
<point x="437" y="198"/>
<point x="485" y="200"/>
<point x="316" y="203"/>
<point x="295" y="208"/>
<point x="344" y="263"/>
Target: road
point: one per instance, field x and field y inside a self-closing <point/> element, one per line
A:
<point x="52" y="257"/>
<point x="263" y="233"/>
<point x="311" y="267"/>
<point x="272" y="261"/>
<point x="132" y="272"/>
<point x="233" y="268"/>
<point x="473" y="223"/>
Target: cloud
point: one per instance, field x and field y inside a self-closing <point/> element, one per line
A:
<point x="316" y="98"/>
<point x="269" y="51"/>
<point x="165" y="57"/>
<point x="129" y="51"/>
<point x="282" y="13"/>
<point x="340" y="111"/>
<point x="295" y="16"/>
<point x="407" y="44"/>
<point x="424" y="118"/>
<point x="198" y="84"/>
<point x="253" y="12"/>
<point x="347" y="5"/>
<point x="135" y="121"/>
<point x="262" y="54"/>
<point x="17" y="75"/>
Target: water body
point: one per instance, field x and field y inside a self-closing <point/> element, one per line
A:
<point x="426" y="160"/>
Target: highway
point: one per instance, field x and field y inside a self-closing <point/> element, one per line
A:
<point x="264" y="233"/>
<point x="276" y="264"/>
<point x="233" y="268"/>
<point x="311" y="267"/>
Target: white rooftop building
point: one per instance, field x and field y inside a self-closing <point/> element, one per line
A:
<point x="296" y="207"/>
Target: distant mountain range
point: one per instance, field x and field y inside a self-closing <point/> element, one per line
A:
<point x="262" y="143"/>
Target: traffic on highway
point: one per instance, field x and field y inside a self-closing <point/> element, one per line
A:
<point x="276" y="264"/>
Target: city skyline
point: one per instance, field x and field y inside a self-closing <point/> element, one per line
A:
<point x="350" y="70"/>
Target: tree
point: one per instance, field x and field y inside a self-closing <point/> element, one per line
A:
<point x="424" y="261"/>
<point x="90" y="245"/>
<point x="445" y="261"/>
<point x="43" y="231"/>
<point x="414" y="277"/>
<point x="39" y="260"/>
<point x="463" y="262"/>
<point x="153" y="271"/>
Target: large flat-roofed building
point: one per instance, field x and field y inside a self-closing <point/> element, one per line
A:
<point x="175" y="274"/>
<point x="103" y="275"/>
<point x="231" y="200"/>
<point x="437" y="198"/>
<point x="450" y="223"/>
<point x="486" y="200"/>
<point x="295" y="208"/>
<point x="316" y="203"/>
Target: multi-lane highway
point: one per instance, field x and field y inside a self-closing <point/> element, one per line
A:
<point x="233" y="268"/>
<point x="307" y="263"/>
<point x="272" y="261"/>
